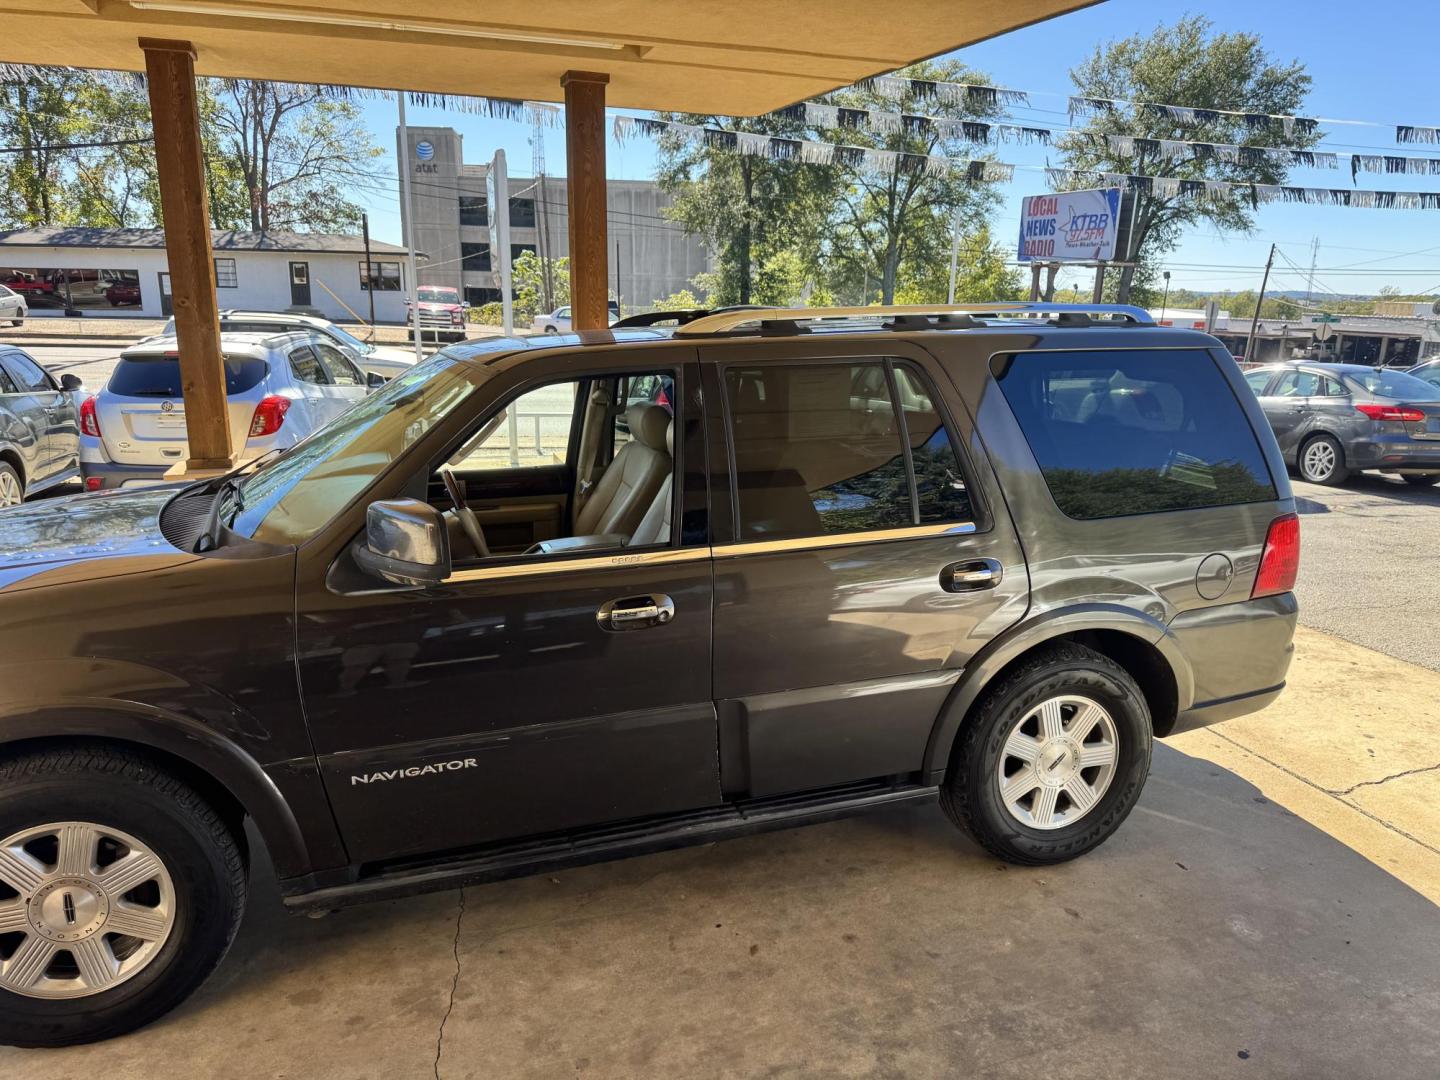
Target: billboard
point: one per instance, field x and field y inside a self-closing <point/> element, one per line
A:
<point x="1071" y="226"/>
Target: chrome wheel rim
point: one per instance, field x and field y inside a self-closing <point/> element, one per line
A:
<point x="1057" y="762"/>
<point x="83" y="908"/>
<point x="1319" y="459"/>
<point x="10" y="493"/>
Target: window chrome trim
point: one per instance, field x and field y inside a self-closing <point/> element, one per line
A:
<point x="696" y="554"/>
<point x="831" y="540"/>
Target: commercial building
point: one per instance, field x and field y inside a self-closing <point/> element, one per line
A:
<point x="63" y="270"/>
<point x="651" y="256"/>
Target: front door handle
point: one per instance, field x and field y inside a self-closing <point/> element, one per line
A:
<point x="973" y="576"/>
<point x="636" y="613"/>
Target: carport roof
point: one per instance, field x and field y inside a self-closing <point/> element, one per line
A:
<point x="312" y="243"/>
<point x="739" y="57"/>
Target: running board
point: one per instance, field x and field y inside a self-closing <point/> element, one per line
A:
<point x="606" y="843"/>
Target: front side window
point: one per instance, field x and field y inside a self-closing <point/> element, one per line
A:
<point x="337" y="365"/>
<point x="28" y="375"/>
<point x="7" y="386"/>
<point x="1258" y="380"/>
<point x="1134" y="431"/>
<point x="817" y="449"/>
<point x="533" y="431"/>
<point x="306" y="366"/>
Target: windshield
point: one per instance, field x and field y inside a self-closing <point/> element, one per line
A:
<point x="438" y="296"/>
<point x="159" y="375"/>
<point x="288" y="501"/>
<point x="1397" y="384"/>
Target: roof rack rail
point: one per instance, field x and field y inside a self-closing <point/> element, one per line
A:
<point x="908" y="317"/>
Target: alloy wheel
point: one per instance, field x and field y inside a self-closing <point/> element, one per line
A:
<point x="1058" y="762"/>
<point x="83" y="908"/>
<point x="1320" y="460"/>
<point x="10" y="493"/>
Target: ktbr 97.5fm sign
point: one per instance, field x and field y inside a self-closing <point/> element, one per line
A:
<point x="1072" y="226"/>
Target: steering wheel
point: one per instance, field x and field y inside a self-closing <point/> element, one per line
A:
<point x="468" y="521"/>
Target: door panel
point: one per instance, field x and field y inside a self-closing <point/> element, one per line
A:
<point x="834" y="652"/>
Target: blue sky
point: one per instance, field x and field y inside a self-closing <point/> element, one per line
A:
<point x="1374" y="63"/>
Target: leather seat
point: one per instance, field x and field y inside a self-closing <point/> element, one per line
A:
<point x="654" y="527"/>
<point x="629" y="485"/>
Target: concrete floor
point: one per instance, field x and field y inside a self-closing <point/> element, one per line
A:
<point x="1218" y="933"/>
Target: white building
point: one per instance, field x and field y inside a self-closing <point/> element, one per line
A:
<point x="125" y="272"/>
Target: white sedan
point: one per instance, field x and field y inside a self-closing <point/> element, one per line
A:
<point x="12" y="306"/>
<point x="558" y="321"/>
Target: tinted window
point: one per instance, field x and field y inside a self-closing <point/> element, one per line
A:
<point x="338" y="367"/>
<point x="29" y="376"/>
<point x="1118" y="433"/>
<point x="306" y="366"/>
<point x="1331" y="388"/>
<point x="1396" y="384"/>
<point x="817" y="451"/>
<point x="939" y="483"/>
<point x="159" y="376"/>
<point x="473" y="210"/>
<point x="1258" y="380"/>
<point x="475" y="256"/>
<point x="1297" y="384"/>
<point x="1429" y="374"/>
<point x="6" y="386"/>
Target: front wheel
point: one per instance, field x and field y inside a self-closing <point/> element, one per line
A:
<point x="1322" y="461"/>
<point x="120" y="891"/>
<point x="1053" y="758"/>
<point x="12" y="488"/>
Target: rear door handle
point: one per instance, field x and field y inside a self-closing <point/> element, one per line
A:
<point x="636" y="613"/>
<point x="973" y="576"/>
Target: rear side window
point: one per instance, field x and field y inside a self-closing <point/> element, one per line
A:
<point x="820" y="449"/>
<point x="1134" y="432"/>
<point x="159" y="376"/>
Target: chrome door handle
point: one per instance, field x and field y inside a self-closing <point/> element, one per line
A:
<point x="973" y="576"/>
<point x="636" y="613"/>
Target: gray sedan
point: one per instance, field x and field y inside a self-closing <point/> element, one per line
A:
<point x="1335" y="419"/>
<point x="39" y="433"/>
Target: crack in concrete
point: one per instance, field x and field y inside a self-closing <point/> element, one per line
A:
<point x="1387" y="779"/>
<point x="454" y="985"/>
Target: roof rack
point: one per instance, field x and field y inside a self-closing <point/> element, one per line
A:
<point x="915" y="317"/>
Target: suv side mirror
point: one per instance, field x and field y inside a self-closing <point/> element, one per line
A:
<point x="70" y="381"/>
<point x="374" y="380"/>
<point x="406" y="543"/>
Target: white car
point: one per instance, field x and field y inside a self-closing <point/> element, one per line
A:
<point x="280" y="388"/>
<point x="382" y="360"/>
<point x="12" y="306"/>
<point x="558" y="321"/>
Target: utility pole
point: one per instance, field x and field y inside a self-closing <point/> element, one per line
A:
<point x="1314" y="257"/>
<point x="369" y="271"/>
<point x="954" y="255"/>
<point x="542" y="206"/>
<point x="1165" y="303"/>
<point x="1255" y="322"/>
<point x="409" y="218"/>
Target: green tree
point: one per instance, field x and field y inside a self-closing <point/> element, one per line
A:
<point x="746" y="208"/>
<point x="297" y="151"/>
<point x="37" y="120"/>
<point x="527" y="280"/>
<point x="1186" y="64"/>
<point x="885" y="219"/>
<point x="982" y="274"/>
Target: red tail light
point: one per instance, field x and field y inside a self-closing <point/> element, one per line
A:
<point x="93" y="483"/>
<point x="89" y="418"/>
<point x="1391" y="412"/>
<point x="269" y="415"/>
<point x="1280" y="560"/>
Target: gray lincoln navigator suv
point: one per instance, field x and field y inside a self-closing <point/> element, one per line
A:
<point x="540" y="603"/>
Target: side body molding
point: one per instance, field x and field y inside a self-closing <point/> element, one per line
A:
<point x="1026" y="636"/>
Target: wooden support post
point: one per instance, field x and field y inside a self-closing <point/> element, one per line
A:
<point x="585" y="163"/>
<point x="175" y="120"/>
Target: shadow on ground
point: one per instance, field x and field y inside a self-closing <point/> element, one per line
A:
<point x="1216" y="934"/>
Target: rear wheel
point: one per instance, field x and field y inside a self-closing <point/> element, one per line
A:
<point x="12" y="488"/>
<point x="1053" y="759"/>
<point x="120" y="891"/>
<point x="1322" y="461"/>
<point x="1422" y="481"/>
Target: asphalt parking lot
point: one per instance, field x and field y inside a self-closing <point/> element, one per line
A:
<point x="1270" y="910"/>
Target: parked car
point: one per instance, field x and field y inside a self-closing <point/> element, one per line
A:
<point x="29" y="284"/>
<point x="558" y="321"/>
<point x="416" y="658"/>
<point x="1427" y="372"/>
<point x="280" y="388"/>
<point x="386" y="361"/>
<point x="1332" y="420"/>
<point x="123" y="293"/>
<point x="39" y="437"/>
<point x="441" y="311"/>
<point x="12" y="306"/>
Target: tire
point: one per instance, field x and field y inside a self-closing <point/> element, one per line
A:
<point x="1314" y="471"/>
<point x="550" y="329"/>
<point x="971" y="795"/>
<point x="12" y="485"/>
<point x="1422" y="481"/>
<point x="200" y="860"/>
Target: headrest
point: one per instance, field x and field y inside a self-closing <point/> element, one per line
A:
<point x="648" y="424"/>
<point x="670" y="437"/>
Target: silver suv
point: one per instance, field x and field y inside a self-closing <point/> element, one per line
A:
<point x="280" y="388"/>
